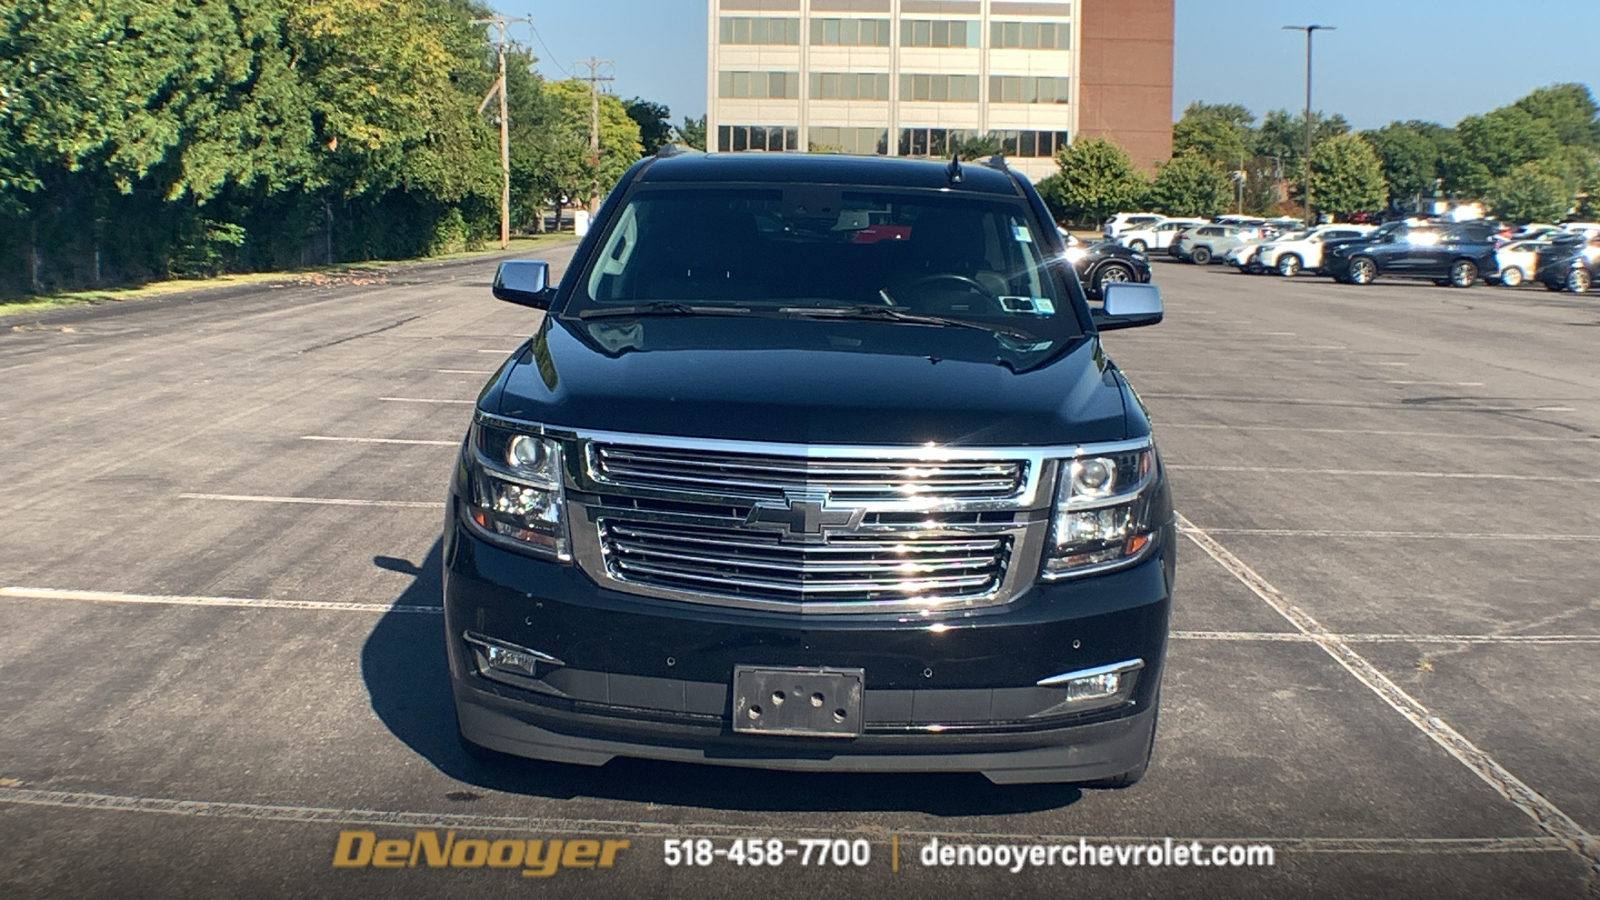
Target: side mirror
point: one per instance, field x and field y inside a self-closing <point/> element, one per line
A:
<point x="525" y="282"/>
<point x="1128" y="304"/>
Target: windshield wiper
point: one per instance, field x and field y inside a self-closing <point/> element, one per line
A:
<point x="893" y="314"/>
<point x="662" y="308"/>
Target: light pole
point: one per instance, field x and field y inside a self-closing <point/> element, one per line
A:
<point x="1309" y="30"/>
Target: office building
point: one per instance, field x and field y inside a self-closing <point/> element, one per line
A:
<point x="914" y="77"/>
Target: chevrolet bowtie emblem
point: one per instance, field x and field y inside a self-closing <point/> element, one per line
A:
<point x="805" y="516"/>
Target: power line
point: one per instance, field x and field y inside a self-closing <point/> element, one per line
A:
<point x="548" y="52"/>
<point x="594" y="80"/>
<point x="500" y="22"/>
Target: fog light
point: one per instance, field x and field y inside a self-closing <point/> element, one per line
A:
<point x="500" y="656"/>
<point x="1102" y="683"/>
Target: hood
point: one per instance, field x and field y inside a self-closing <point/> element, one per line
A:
<point x="806" y="381"/>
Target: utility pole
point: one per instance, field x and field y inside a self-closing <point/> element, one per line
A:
<point x="500" y="22"/>
<point x="1309" y="30"/>
<point x="594" y="80"/>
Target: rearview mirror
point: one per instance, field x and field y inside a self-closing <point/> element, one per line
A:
<point x="1128" y="304"/>
<point x="525" y="282"/>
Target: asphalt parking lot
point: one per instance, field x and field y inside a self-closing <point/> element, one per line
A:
<point x="219" y="630"/>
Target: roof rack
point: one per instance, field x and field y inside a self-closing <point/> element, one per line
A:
<point x="997" y="161"/>
<point x="670" y="149"/>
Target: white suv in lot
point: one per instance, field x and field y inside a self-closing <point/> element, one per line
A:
<point x="1293" y="253"/>
<point x="1157" y="235"/>
<point x="1205" y="244"/>
<point x="1121" y="222"/>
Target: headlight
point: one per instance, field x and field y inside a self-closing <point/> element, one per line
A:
<point x="514" y="489"/>
<point x="1103" y="511"/>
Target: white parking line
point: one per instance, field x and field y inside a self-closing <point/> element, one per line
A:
<point x="1296" y="637"/>
<point x="369" y="440"/>
<point x="1446" y="383"/>
<point x="1386" y="473"/>
<point x="1544" y="813"/>
<point x="425" y="400"/>
<point x="466" y="371"/>
<point x="1344" y="404"/>
<point x="1413" y="535"/>
<point x="1380" y="433"/>
<point x="319" y="501"/>
<point x="324" y="815"/>
<point x="31" y="593"/>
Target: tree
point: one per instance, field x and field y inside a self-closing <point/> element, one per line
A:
<point x="654" y="120"/>
<point x="693" y="132"/>
<point x="1189" y="185"/>
<point x="1570" y="110"/>
<point x="1283" y="136"/>
<point x="1502" y="139"/>
<point x="1096" y="179"/>
<point x="1410" y="159"/>
<point x="978" y="146"/>
<point x="1346" y="176"/>
<point x="568" y="167"/>
<point x="1529" y="194"/>
<point x="1223" y="135"/>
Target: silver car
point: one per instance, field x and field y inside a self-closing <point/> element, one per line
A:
<point x="1211" y="243"/>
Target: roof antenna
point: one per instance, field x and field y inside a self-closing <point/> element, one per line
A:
<point x="953" y="171"/>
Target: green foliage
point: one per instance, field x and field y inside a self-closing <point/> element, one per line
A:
<point x="1283" y="135"/>
<point x="980" y="146"/>
<point x="1570" y="110"/>
<point x="1223" y="135"/>
<point x="1346" y="176"/>
<point x="1529" y="194"/>
<point x="1190" y="186"/>
<point x="1410" y="159"/>
<point x="692" y="133"/>
<point x="1505" y="138"/>
<point x="654" y="121"/>
<point x="1096" y="179"/>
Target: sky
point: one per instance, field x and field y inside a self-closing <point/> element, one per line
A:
<point x="1437" y="60"/>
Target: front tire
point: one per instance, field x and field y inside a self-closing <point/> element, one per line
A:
<point x="1200" y="256"/>
<point x="1511" y="276"/>
<point x="1289" y="265"/>
<point x="1463" y="273"/>
<point x="1111" y="272"/>
<point x="1363" y="271"/>
<point x="1138" y="246"/>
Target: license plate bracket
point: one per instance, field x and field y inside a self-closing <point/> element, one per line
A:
<point x="797" y="702"/>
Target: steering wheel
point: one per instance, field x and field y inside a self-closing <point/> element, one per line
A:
<point x="970" y="285"/>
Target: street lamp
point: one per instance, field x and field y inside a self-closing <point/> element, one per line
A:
<point x="1309" y="30"/>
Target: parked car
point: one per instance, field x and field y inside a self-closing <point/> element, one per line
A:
<point x="1117" y="224"/>
<point x="1518" y="261"/>
<point x="1204" y="244"/>
<point x="1569" y="263"/>
<point x="1158" y="236"/>
<point x="1292" y="253"/>
<point x="770" y="488"/>
<point x="1105" y="262"/>
<point x="1455" y="254"/>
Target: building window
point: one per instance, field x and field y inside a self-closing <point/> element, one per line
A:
<point x="1028" y="89"/>
<point x="772" y="138"/>
<point x="849" y="86"/>
<point x="850" y="32"/>
<point x="859" y="141"/>
<point x="759" y="30"/>
<point x="1031" y="35"/>
<point x="940" y="88"/>
<point x="758" y="85"/>
<point x="938" y="33"/>
<point x="941" y="142"/>
<point x="932" y="141"/>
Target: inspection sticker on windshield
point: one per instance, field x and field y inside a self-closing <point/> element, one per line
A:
<point x="1043" y="306"/>
<point x="1020" y="232"/>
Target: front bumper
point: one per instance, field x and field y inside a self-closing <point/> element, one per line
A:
<point x="650" y="678"/>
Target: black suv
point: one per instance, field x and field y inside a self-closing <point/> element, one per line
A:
<point x="1570" y="264"/>
<point x="1447" y="253"/>
<point x="814" y="463"/>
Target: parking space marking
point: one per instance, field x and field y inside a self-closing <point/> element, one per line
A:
<point x="373" y="440"/>
<point x="1385" y="473"/>
<point x="317" y="501"/>
<point x="424" y="400"/>
<point x="1348" y="404"/>
<point x="1413" y="535"/>
<point x="1295" y="637"/>
<point x="323" y="815"/>
<point x="1550" y="818"/>
<point x="31" y="593"/>
<point x="1445" y="383"/>
<point x="465" y="371"/>
<point x="1382" y="433"/>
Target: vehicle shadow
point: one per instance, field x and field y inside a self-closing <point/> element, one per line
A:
<point x="403" y="666"/>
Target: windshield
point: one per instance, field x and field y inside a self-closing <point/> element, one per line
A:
<point x="813" y="250"/>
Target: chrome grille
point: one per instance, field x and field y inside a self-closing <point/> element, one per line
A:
<point x="769" y="477"/>
<point x="845" y="568"/>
